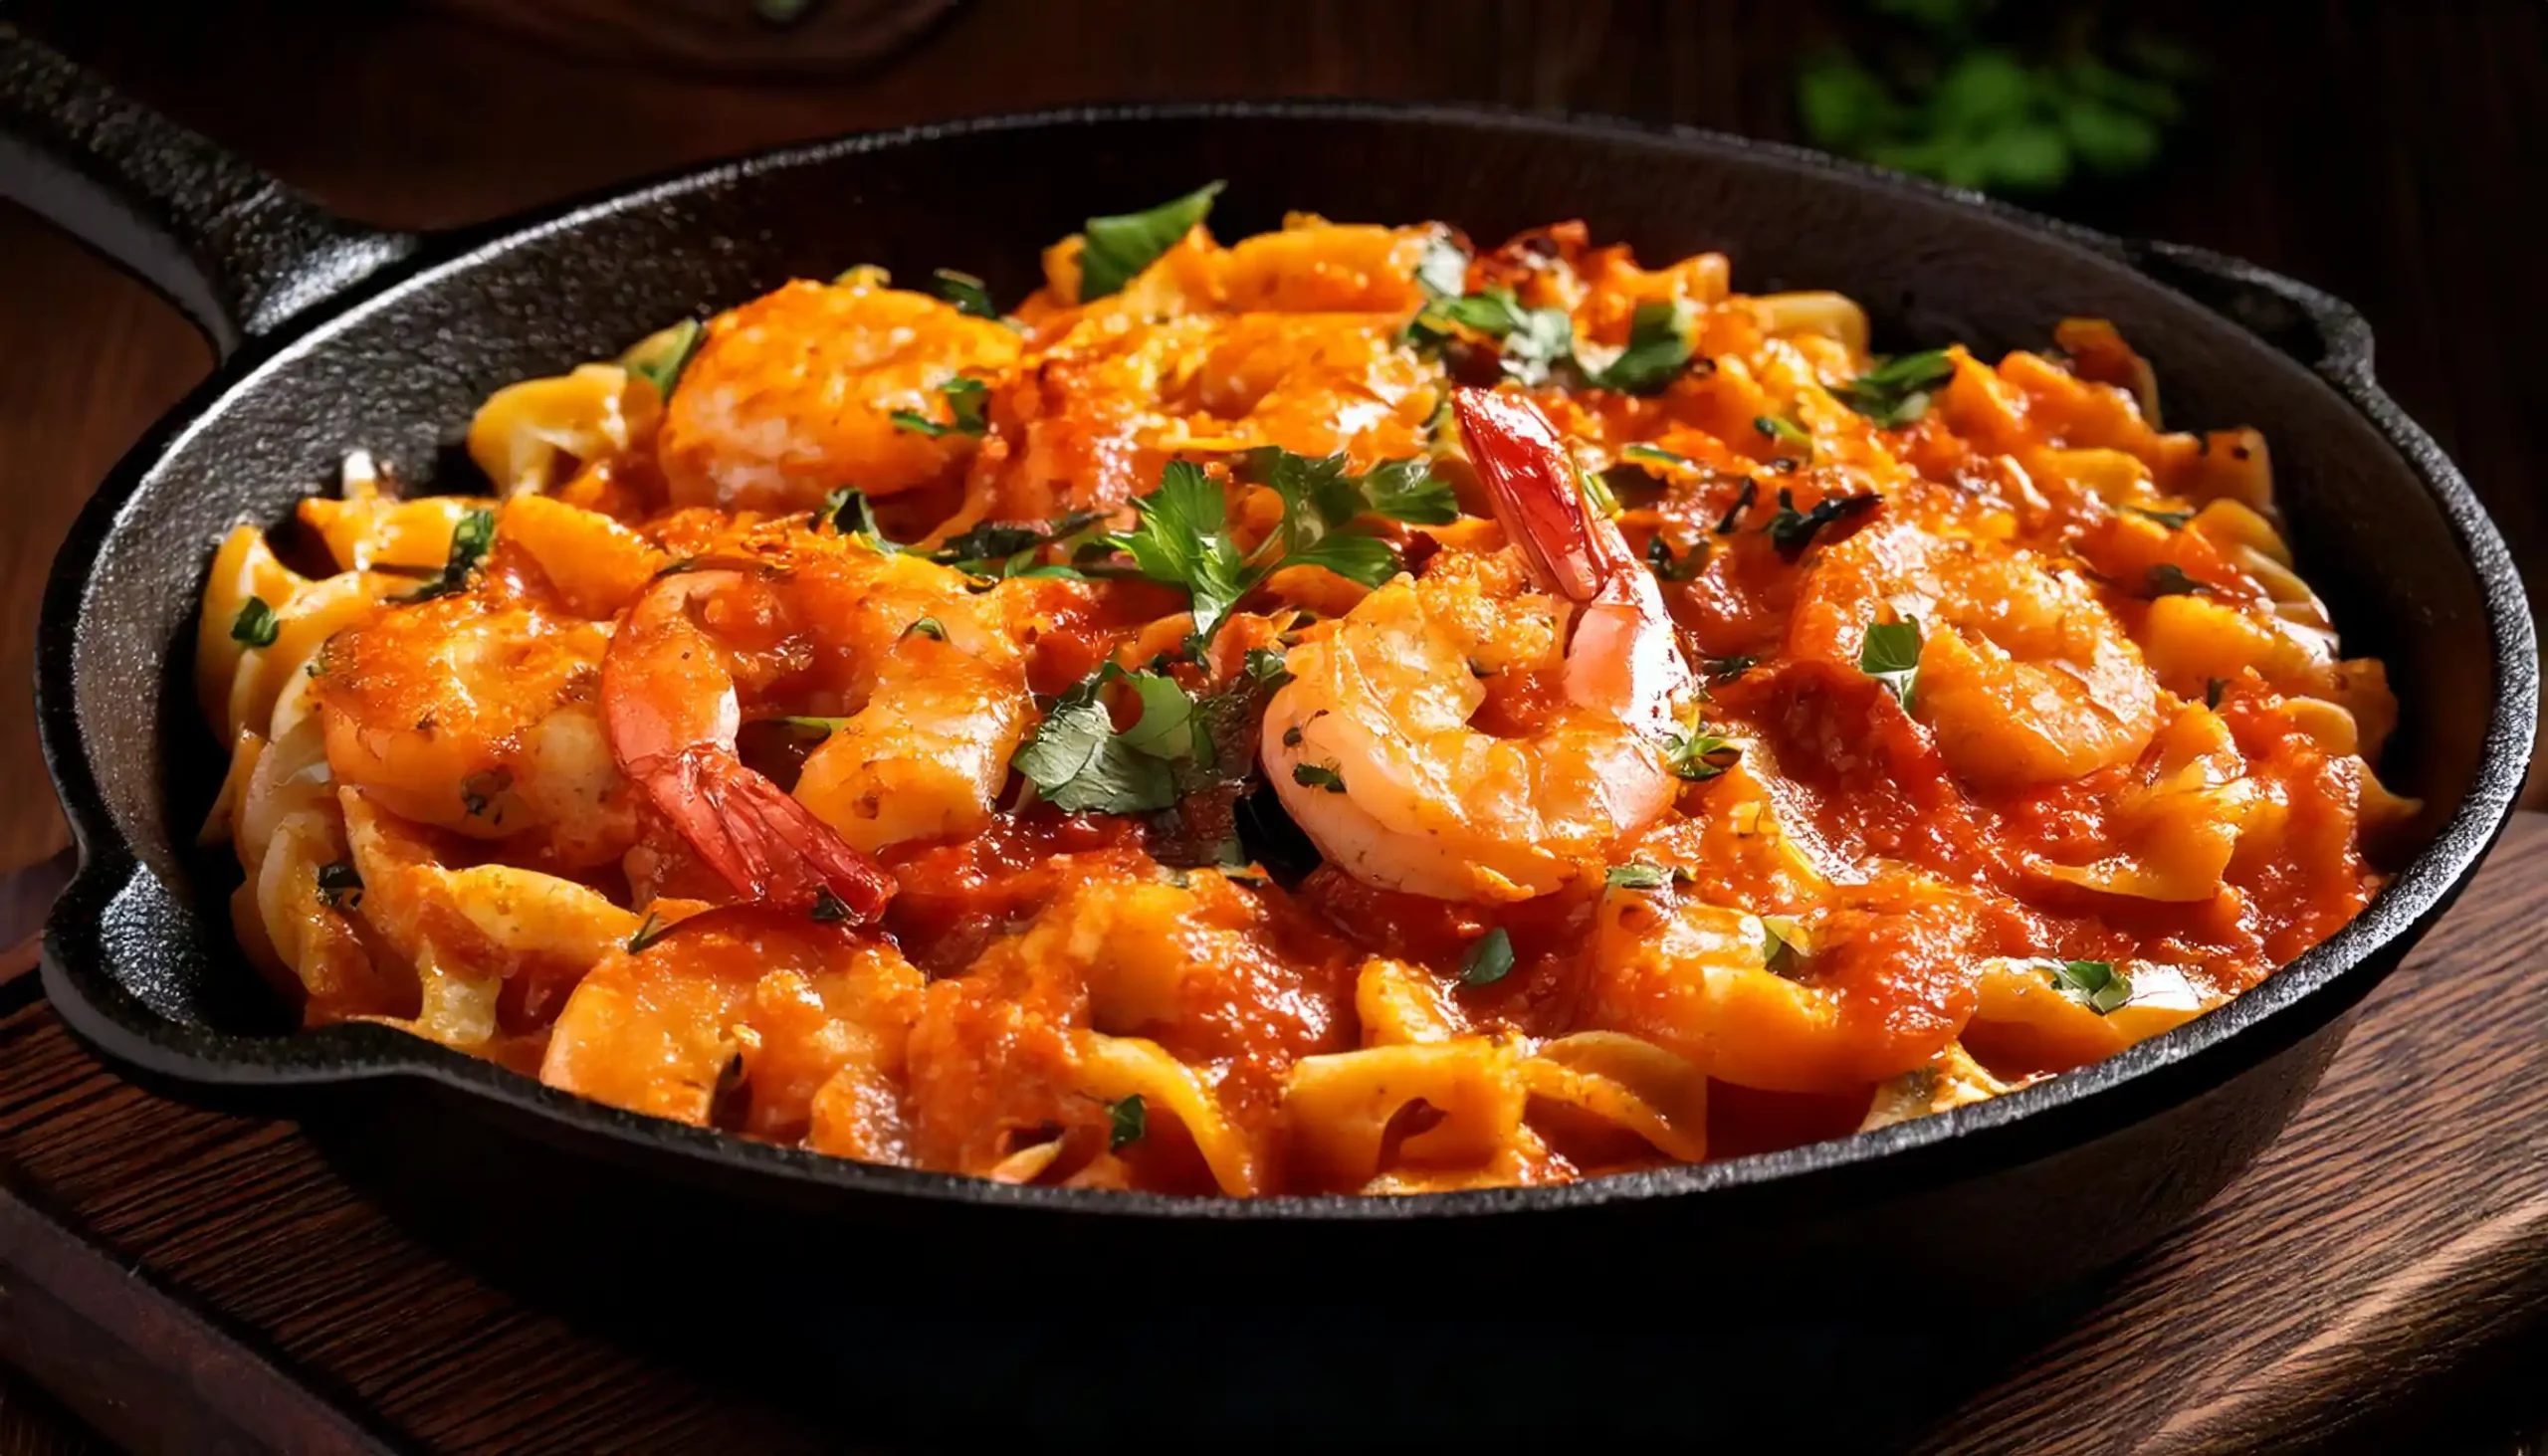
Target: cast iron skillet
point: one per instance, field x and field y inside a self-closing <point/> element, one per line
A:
<point x="334" y="336"/>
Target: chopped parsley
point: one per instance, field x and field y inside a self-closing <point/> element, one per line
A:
<point x="1640" y="876"/>
<point x="848" y="512"/>
<point x="1442" y="270"/>
<point x="478" y="790"/>
<point x="2171" y="519"/>
<point x="2170" y="579"/>
<point x="1782" y="430"/>
<point x="1896" y="392"/>
<point x="1115" y="250"/>
<point x="470" y="538"/>
<point x="968" y="293"/>
<point x="1078" y="762"/>
<point x="1532" y="343"/>
<point x="1700" y="754"/>
<point x="659" y="358"/>
<point x="1489" y="961"/>
<point x="929" y="627"/>
<point x="1723" y="669"/>
<point x="1792" y="530"/>
<point x="1126" y="1121"/>
<point x="1727" y="523"/>
<point x="1650" y="455"/>
<point x="1670" y="567"/>
<point x="1310" y="775"/>
<point x="654" y="927"/>
<point x="339" y="885"/>
<point x="256" y="625"/>
<point x="828" y="909"/>
<point x="2095" y="984"/>
<point x="1890" y="653"/>
<point x="966" y="403"/>
<point x="1660" y="335"/>
<point x="1781" y="942"/>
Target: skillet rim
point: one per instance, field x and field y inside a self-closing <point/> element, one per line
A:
<point x="2165" y="1071"/>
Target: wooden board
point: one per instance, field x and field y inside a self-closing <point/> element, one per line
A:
<point x="186" y="1279"/>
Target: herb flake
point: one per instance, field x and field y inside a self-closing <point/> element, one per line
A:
<point x="256" y="625"/>
<point x="1489" y="961"/>
<point x="1890" y="653"/>
<point x="2095" y="984"/>
<point x="1115" y="250"/>
<point x="1896" y="392"/>
<point x="1126" y="1121"/>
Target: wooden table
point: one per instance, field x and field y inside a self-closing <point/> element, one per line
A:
<point x="2376" y="150"/>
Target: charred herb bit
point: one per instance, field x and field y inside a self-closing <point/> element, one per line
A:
<point x="1115" y="250"/>
<point x="1660" y="335"/>
<point x="2171" y="519"/>
<point x="654" y="927"/>
<point x="478" y="790"/>
<point x="967" y="400"/>
<point x="969" y="294"/>
<point x="1268" y="837"/>
<point x="1311" y="775"/>
<point x="828" y="909"/>
<point x="1792" y="530"/>
<point x="1700" y="754"/>
<point x="659" y="358"/>
<point x="929" y="627"/>
<point x="1890" y="653"/>
<point x="256" y="625"/>
<point x="2095" y="984"/>
<point x="1732" y="519"/>
<point x="2213" y="688"/>
<point x="339" y="885"/>
<point x="1669" y="568"/>
<point x="1726" y="669"/>
<point x="2170" y="579"/>
<point x="1896" y="392"/>
<point x="1489" y="961"/>
<point x="1126" y="1121"/>
<point x="470" y="538"/>
<point x="1638" y="876"/>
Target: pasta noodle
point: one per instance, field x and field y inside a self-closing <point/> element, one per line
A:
<point x="1343" y="711"/>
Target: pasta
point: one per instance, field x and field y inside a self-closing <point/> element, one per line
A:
<point x="1347" y="711"/>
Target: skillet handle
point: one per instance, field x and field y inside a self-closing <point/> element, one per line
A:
<point x="235" y="250"/>
<point x="2320" y="330"/>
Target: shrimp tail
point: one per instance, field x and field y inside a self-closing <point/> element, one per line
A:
<point x="766" y="844"/>
<point x="1531" y="479"/>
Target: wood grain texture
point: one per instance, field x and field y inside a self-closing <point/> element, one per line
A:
<point x="2377" y="150"/>
<point x="2338" y="1285"/>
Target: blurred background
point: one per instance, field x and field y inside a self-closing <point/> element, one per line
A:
<point x="2384" y="153"/>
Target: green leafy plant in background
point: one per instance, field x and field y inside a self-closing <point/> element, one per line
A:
<point x="2021" y="98"/>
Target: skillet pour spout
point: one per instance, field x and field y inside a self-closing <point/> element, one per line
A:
<point x="378" y="340"/>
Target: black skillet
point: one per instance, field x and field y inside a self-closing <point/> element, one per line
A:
<point x="334" y="335"/>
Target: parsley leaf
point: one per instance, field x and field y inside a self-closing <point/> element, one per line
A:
<point x="2170" y="579"/>
<point x="1650" y="456"/>
<point x="1700" y="754"/>
<point x="1077" y="760"/>
<point x="659" y="358"/>
<point x="1781" y="942"/>
<point x="1532" y="342"/>
<point x="1442" y="270"/>
<point x="471" y="540"/>
<point x="1782" y="430"/>
<point x="1640" y="876"/>
<point x="926" y="627"/>
<point x="968" y="293"/>
<point x="1890" y="653"/>
<point x="2171" y="519"/>
<point x="256" y="625"/>
<point x="1896" y="392"/>
<point x="1489" y="961"/>
<point x="1721" y="669"/>
<point x="1184" y="540"/>
<point x="1660" y="335"/>
<point x="965" y="402"/>
<point x="828" y="909"/>
<point x="1310" y="775"/>
<point x="1669" y="568"/>
<point x="650" y="931"/>
<point x="846" y="506"/>
<point x="2095" y="984"/>
<point x="1791" y="531"/>
<point x="1126" y="1121"/>
<point x="1408" y="490"/>
<point x="1116" y="249"/>
<point x="1733" y="517"/>
<point x="1166" y="728"/>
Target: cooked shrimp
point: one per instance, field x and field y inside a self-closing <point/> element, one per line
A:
<point x="933" y="691"/>
<point x="2024" y="676"/>
<point x="796" y="393"/>
<point x="478" y="714"/>
<point x="1371" y="746"/>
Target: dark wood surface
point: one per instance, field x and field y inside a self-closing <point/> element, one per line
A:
<point x="2386" y="152"/>
<point x="2329" y="1300"/>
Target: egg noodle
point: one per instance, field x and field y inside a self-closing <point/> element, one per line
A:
<point x="1339" y="712"/>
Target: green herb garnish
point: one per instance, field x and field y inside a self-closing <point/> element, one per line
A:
<point x="1310" y="775"/>
<point x="256" y="625"/>
<point x="926" y="627"/>
<point x="2170" y="579"/>
<point x="1660" y="342"/>
<point x="1782" y="430"/>
<point x="1116" y="249"/>
<point x="1442" y="270"/>
<point x="2171" y="519"/>
<point x="1791" y="531"/>
<point x="1126" y="1121"/>
<point x="1669" y="568"/>
<point x="1650" y="455"/>
<point x="1638" y="876"/>
<point x="339" y="885"/>
<point x="968" y="293"/>
<point x="828" y="909"/>
<point x="967" y="400"/>
<point x="660" y="356"/>
<point x="1896" y="392"/>
<point x="1489" y="961"/>
<point x="1700" y="754"/>
<point x="470" y="538"/>
<point x="2095" y="984"/>
<point x="654" y="927"/>
<point x="1077" y="760"/>
<point x="1732" y="519"/>
<point x="1890" y="653"/>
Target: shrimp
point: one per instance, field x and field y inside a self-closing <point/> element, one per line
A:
<point x="1370" y="745"/>
<point x="933" y="691"/>
<point x="796" y="393"/>
<point x="475" y="714"/>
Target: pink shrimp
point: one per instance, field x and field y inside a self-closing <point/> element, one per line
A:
<point x="1370" y="745"/>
